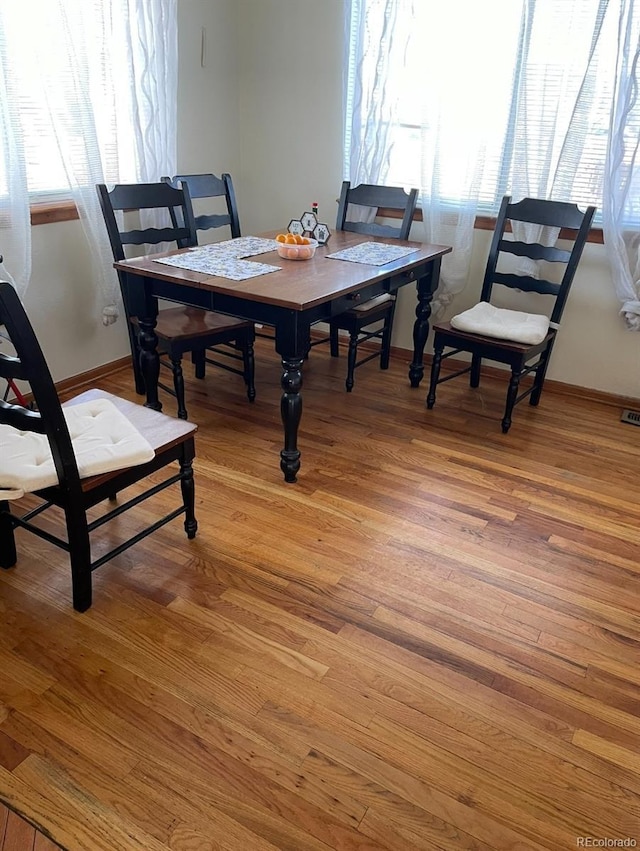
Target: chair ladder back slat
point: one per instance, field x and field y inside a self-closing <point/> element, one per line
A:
<point x="209" y="221"/>
<point x="12" y="367"/>
<point x="546" y="213"/>
<point x="527" y="283"/>
<point x="535" y="251"/>
<point x="372" y="229"/>
<point x="21" y="418"/>
<point x="154" y="236"/>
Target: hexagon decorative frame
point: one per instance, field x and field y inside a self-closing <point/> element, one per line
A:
<point x="308" y="225"/>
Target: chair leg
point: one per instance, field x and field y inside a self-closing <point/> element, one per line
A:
<point x="138" y="377"/>
<point x="198" y="360"/>
<point x="385" y="350"/>
<point x="8" y="554"/>
<point x="351" y="359"/>
<point x="435" y="373"/>
<point x="541" y="371"/>
<point x="334" y="342"/>
<point x="187" y="486"/>
<point x="512" y="394"/>
<point x="178" y="386"/>
<point x="79" y="556"/>
<point x="249" y="362"/>
<point x="474" y="377"/>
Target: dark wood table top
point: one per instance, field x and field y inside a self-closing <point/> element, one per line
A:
<point x="299" y="284"/>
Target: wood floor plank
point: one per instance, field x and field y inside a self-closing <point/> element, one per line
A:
<point x="428" y="643"/>
<point x="74" y="818"/>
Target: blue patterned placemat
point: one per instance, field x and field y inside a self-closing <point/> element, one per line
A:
<point x="212" y="263"/>
<point x="225" y="259"/>
<point x="373" y="253"/>
<point x="241" y="246"/>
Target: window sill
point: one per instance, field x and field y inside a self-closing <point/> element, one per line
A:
<point x="53" y="211"/>
<point x="486" y="223"/>
<point x="66" y="211"/>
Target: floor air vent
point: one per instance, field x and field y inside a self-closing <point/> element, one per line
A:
<point x="631" y="417"/>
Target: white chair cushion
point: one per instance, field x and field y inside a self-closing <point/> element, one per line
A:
<point x="373" y="302"/>
<point x="484" y="318"/>
<point x="103" y="440"/>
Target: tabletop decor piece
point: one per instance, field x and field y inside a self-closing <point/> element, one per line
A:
<point x="373" y="253"/>
<point x="298" y="250"/>
<point x="308" y="225"/>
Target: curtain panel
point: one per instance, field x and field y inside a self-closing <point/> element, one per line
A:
<point x="89" y="95"/>
<point x="471" y="101"/>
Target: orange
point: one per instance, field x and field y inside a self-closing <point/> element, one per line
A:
<point x="299" y="240"/>
<point x="281" y="238"/>
<point x="290" y="239"/>
<point x="305" y="241"/>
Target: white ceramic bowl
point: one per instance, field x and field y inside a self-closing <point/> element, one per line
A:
<point x="297" y="252"/>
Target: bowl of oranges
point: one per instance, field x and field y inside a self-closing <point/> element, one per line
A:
<point x="292" y="246"/>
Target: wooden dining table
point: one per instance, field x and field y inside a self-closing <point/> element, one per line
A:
<point x="292" y="299"/>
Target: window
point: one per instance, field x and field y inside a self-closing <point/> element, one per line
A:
<point x="502" y="96"/>
<point x="88" y="94"/>
<point x="67" y="71"/>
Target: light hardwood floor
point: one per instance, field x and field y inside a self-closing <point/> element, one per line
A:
<point x="431" y="641"/>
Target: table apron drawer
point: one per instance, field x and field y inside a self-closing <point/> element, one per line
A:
<point x="357" y="297"/>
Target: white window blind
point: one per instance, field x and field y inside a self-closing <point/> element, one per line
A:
<point x="528" y="83"/>
<point x="48" y="93"/>
<point x="88" y="94"/>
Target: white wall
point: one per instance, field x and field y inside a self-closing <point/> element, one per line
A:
<point x="208" y="119"/>
<point x="290" y="109"/>
<point x="267" y="107"/>
<point x="62" y="304"/>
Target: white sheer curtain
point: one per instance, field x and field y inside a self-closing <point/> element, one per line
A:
<point x="89" y="94"/>
<point x="621" y="205"/>
<point x="377" y="37"/>
<point x="525" y="97"/>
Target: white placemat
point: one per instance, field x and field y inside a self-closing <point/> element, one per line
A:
<point x="241" y="246"/>
<point x="372" y="253"/>
<point x="220" y="264"/>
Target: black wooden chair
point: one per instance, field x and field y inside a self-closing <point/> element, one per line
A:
<point x="80" y="454"/>
<point x="363" y="322"/>
<point x="517" y="338"/>
<point x="210" y="187"/>
<point x="179" y="329"/>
